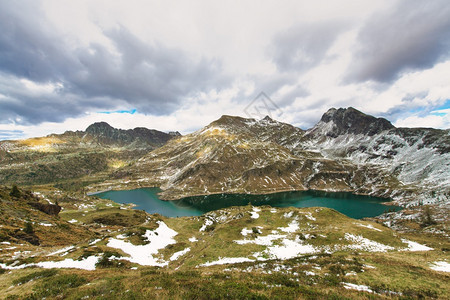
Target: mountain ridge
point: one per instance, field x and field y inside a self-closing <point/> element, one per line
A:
<point x="346" y="150"/>
<point x="93" y="153"/>
<point x="358" y="153"/>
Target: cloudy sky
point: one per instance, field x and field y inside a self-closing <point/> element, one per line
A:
<point x="178" y="65"/>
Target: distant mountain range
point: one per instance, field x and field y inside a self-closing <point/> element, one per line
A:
<point x="140" y="137"/>
<point x="346" y="150"/>
<point x="63" y="159"/>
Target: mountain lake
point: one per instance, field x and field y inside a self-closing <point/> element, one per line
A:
<point x="354" y="206"/>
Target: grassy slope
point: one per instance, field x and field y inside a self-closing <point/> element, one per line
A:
<point x="306" y="276"/>
<point x="66" y="162"/>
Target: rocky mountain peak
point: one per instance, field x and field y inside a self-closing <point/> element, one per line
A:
<point x="226" y="119"/>
<point x="174" y="133"/>
<point x="100" y="128"/>
<point x="140" y="137"/>
<point x="267" y="118"/>
<point x="351" y="120"/>
<point x="231" y="122"/>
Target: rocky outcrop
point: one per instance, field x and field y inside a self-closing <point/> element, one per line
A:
<point x="103" y="133"/>
<point x="49" y="209"/>
<point x="336" y="122"/>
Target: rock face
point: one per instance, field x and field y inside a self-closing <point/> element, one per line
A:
<point x="49" y="209"/>
<point x="351" y="121"/>
<point x="103" y="133"/>
<point x="418" y="157"/>
<point x="346" y="151"/>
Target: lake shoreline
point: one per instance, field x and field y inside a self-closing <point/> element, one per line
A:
<point x="352" y="205"/>
<point x="178" y="196"/>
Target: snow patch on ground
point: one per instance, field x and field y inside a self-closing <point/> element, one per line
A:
<point x="226" y="260"/>
<point x="254" y="213"/>
<point x="178" y="254"/>
<point x="288" y="214"/>
<point x="370" y="226"/>
<point x="309" y="216"/>
<point x="85" y="264"/>
<point x="266" y="240"/>
<point x="246" y="231"/>
<point x="413" y="246"/>
<point x="441" y="266"/>
<point x="290" y="249"/>
<point x="143" y="254"/>
<point x="361" y="243"/>
<point x="63" y="250"/>
<point x="94" y="242"/>
<point x="193" y="239"/>
<point x="72" y="221"/>
<point x="85" y="206"/>
<point x="286" y="249"/>
<point x="292" y="227"/>
<point x="352" y="286"/>
<point x="208" y="222"/>
<point x="369" y="267"/>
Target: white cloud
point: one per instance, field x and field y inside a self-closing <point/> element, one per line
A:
<point x="239" y="37"/>
<point x="38" y="88"/>
<point x="434" y="121"/>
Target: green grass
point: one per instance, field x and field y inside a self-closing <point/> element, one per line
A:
<point x="34" y="276"/>
<point x="400" y="272"/>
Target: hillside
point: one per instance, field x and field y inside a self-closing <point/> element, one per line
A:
<point x="418" y="157"/>
<point x="346" y="151"/>
<point x="59" y="159"/>
<point x="244" y="252"/>
<point x="28" y="218"/>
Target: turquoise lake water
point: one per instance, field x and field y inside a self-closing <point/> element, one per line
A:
<point x="354" y="206"/>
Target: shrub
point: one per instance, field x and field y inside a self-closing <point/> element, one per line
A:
<point x="106" y="262"/>
<point x="427" y="218"/>
<point x="15" y="192"/>
<point x="28" y="228"/>
<point x="255" y="230"/>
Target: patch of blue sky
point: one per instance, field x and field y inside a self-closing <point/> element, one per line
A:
<point x="442" y="110"/>
<point x="122" y="111"/>
<point x="10" y="134"/>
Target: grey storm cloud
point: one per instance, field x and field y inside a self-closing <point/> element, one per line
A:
<point x="304" y="45"/>
<point x="150" y="77"/>
<point x="413" y="35"/>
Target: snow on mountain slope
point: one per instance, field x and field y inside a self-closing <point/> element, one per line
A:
<point x="346" y="151"/>
<point x="418" y="157"/>
<point x="237" y="155"/>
